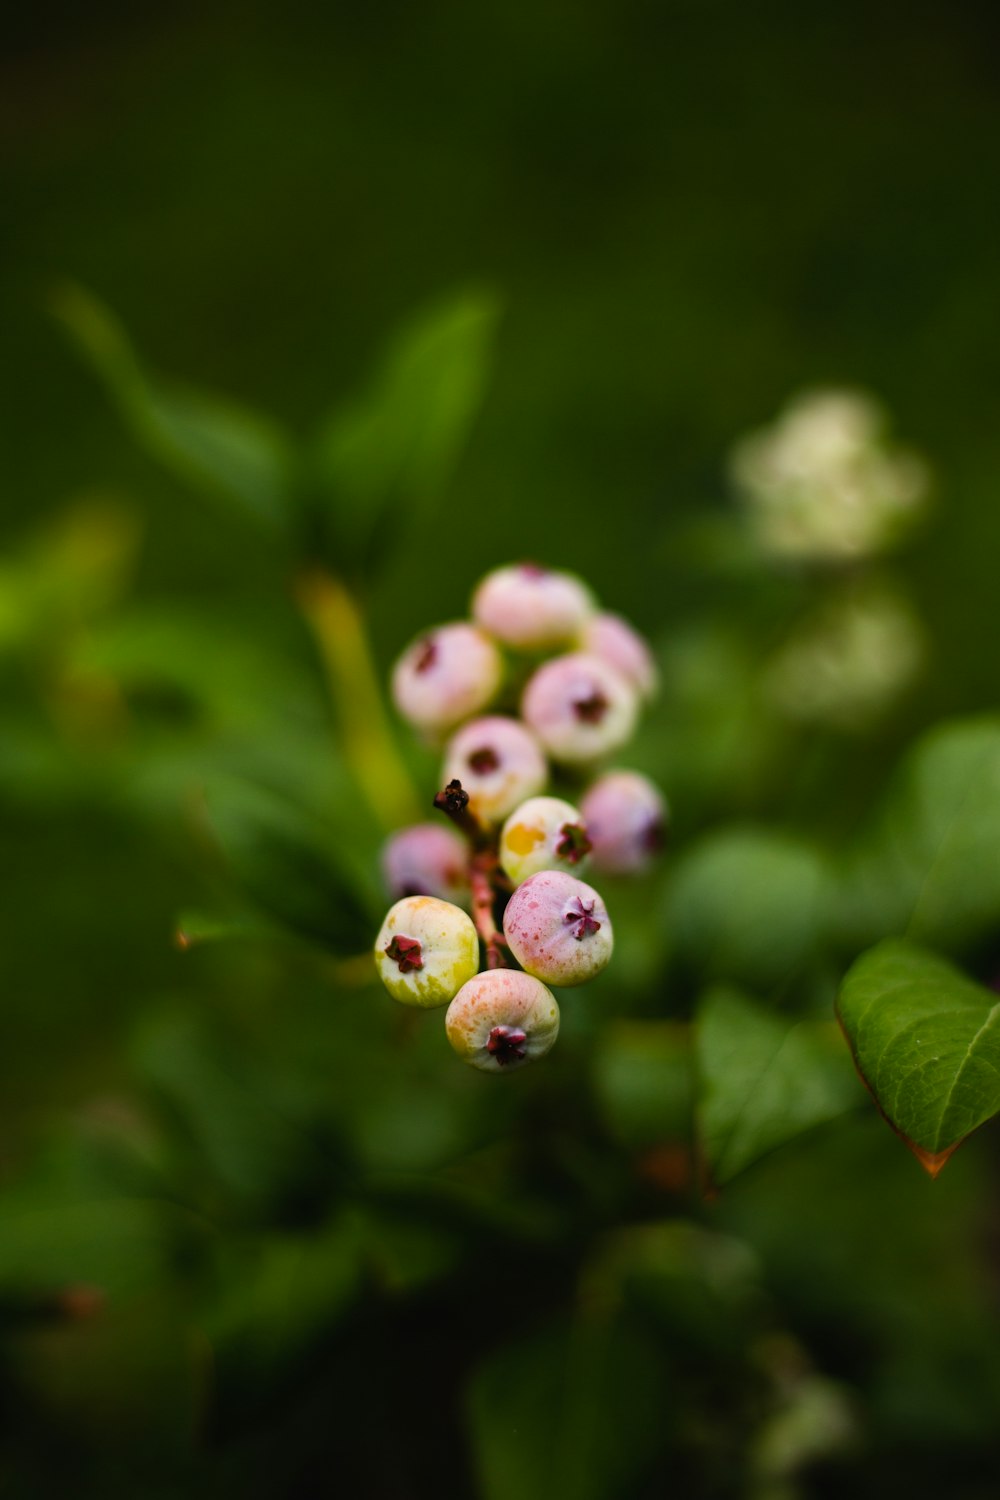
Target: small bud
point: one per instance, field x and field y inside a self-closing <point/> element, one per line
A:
<point x="614" y="641"/>
<point x="426" y="950"/>
<point x="579" y="707"/>
<point x="544" y="833"/>
<point x="626" y="818"/>
<point x="445" y="676"/>
<point x="558" y="929"/>
<point x="532" y="608"/>
<point x="428" y="859"/>
<point x="498" y="762"/>
<point x="502" y="1019"/>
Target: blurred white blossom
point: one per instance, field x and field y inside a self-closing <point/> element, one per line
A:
<point x="823" y="482"/>
<point x="849" y="662"/>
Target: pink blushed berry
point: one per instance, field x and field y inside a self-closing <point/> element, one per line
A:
<point x="626" y="817"/>
<point x="499" y="763"/>
<point x="532" y="608"/>
<point x="614" y="641"/>
<point x="428" y="859"/>
<point x="558" y="929"/>
<point x="580" y="708"/>
<point x="426" y="950"/>
<point x="544" y="833"/>
<point x="502" y="1019"/>
<point x="445" y="676"/>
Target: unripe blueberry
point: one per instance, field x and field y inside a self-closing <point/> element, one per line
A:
<point x="429" y="859"/>
<point x="532" y="608"/>
<point x="544" y="833"/>
<point x="445" y="676"/>
<point x="426" y="950"/>
<point x="579" y="707"/>
<point x="626" y="817"/>
<point x="614" y="641"/>
<point x="499" y="764"/>
<point x="501" y="1020"/>
<point x="558" y="929"/>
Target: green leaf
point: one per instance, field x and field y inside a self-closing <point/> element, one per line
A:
<point x="122" y="1246"/>
<point x="642" y="1075"/>
<point x="577" y="1411"/>
<point x="762" y="1081"/>
<point x="926" y="1041"/>
<point x="398" y="444"/>
<point x="290" y="866"/>
<point x="211" y="442"/>
<point x="235" y="1126"/>
<point x="750" y="906"/>
<point x="193" y="929"/>
<point x="71" y="569"/>
<point x="930" y="868"/>
<point x="278" y="1294"/>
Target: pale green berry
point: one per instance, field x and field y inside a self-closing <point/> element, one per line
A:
<point x="426" y="950"/>
<point x="501" y="1020"/>
<point x="544" y="833"/>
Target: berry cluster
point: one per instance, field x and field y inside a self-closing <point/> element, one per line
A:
<point x="537" y="646"/>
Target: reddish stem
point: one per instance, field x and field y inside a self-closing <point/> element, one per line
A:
<point x="482" y="869"/>
<point x="453" y="801"/>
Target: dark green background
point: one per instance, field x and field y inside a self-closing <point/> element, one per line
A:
<point x="688" y="212"/>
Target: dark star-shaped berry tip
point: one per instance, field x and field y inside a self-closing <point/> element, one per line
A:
<point x="506" y="1044"/>
<point x="580" y="919"/>
<point x="406" y="953"/>
<point x="573" y="843"/>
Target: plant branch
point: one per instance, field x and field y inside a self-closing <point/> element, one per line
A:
<point x="482" y="869"/>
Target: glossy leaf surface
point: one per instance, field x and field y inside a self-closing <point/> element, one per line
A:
<point x="926" y="1040"/>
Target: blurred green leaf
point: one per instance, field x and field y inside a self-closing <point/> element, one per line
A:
<point x="128" y="1377"/>
<point x="117" y="1246"/>
<point x="195" y="928"/>
<point x="762" y="1082"/>
<point x="69" y="570"/>
<point x="930" y="867"/>
<point x="206" y="658"/>
<point x="642" y="1074"/>
<point x="702" y="1289"/>
<point x="926" y="1041"/>
<point x="225" y="450"/>
<point x="276" y="1295"/>
<point x="750" y="906"/>
<point x="578" y="1411"/>
<point x="398" y="444"/>
<point x="291" y="866"/>
<point x="239" y="1131"/>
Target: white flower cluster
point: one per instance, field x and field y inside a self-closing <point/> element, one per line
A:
<point x="824" y="483"/>
<point x="849" y="662"/>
